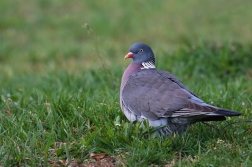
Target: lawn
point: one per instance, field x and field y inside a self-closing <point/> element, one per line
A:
<point x="61" y="64"/>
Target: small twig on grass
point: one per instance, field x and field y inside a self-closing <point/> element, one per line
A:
<point x="236" y="122"/>
<point x="212" y="126"/>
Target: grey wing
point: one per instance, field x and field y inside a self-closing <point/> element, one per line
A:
<point x="155" y="94"/>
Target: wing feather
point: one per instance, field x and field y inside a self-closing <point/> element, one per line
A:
<point x="157" y="94"/>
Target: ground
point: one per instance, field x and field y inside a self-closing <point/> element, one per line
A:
<point x="61" y="64"/>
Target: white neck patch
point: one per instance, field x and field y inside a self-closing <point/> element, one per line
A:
<point x="148" y="65"/>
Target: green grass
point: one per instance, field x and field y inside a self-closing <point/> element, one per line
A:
<point x="61" y="63"/>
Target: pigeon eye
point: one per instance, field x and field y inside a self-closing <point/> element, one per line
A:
<point x="141" y="50"/>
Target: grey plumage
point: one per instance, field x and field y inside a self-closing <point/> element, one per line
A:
<point x="160" y="97"/>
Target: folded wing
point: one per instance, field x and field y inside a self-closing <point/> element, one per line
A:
<point x="158" y="94"/>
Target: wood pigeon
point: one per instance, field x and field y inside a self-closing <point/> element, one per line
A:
<point x="159" y="96"/>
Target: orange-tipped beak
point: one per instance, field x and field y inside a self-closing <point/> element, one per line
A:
<point x="129" y="55"/>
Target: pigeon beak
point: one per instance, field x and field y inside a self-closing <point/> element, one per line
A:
<point x="129" y="55"/>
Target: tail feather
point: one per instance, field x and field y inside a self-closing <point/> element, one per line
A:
<point x="220" y="115"/>
<point x="224" y="112"/>
<point x="213" y="118"/>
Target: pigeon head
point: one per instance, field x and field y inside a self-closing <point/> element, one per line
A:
<point x="142" y="54"/>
